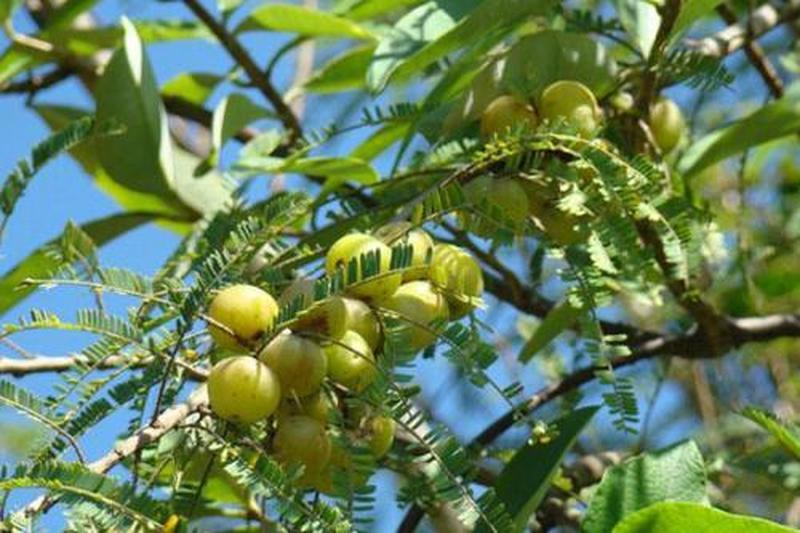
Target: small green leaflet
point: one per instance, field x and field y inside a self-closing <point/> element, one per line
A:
<point x="787" y="434"/>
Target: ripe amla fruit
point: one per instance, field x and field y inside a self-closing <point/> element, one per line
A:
<point x="420" y="242"/>
<point x="563" y="228"/>
<point x="666" y="124"/>
<point x="245" y="310"/>
<point x="351" y="362"/>
<point x="299" y="363"/>
<point x="318" y="406"/>
<point x="381" y="435"/>
<point x="357" y="247"/>
<point x="313" y="312"/>
<point x="243" y="389"/>
<point x="304" y="441"/>
<point x="348" y="314"/>
<point x="418" y="305"/>
<point x="505" y="199"/>
<point x="572" y="102"/>
<point x="506" y="113"/>
<point x="459" y="276"/>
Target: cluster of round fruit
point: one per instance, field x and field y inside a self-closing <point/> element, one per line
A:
<point x="517" y="200"/>
<point x="335" y="338"/>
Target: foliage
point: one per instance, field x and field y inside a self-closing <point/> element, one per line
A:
<point x="607" y="249"/>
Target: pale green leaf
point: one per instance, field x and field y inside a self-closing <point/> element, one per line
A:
<point x="557" y="320"/>
<point x="641" y="21"/>
<point x="345" y="72"/>
<point x="193" y="87"/>
<point x="303" y="21"/>
<point x="673" y="517"/>
<point x="691" y="12"/>
<point x="141" y="158"/>
<point x="674" y="474"/>
<point x="787" y="434"/>
<point x="232" y="114"/>
<point x="770" y="122"/>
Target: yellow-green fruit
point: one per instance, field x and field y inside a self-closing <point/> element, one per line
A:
<point x="351" y="362"/>
<point x="420" y="242"/>
<point x="313" y="313"/>
<point x="381" y="435"/>
<point x="667" y="124"/>
<point x="302" y="440"/>
<point x="346" y="314"/>
<point x="573" y="102"/>
<point x="299" y="363"/>
<point x="246" y="311"/>
<point x="504" y="201"/>
<point x="418" y="305"/>
<point x="459" y="277"/>
<point x="356" y="246"/>
<point x="317" y="406"/>
<point x="506" y="113"/>
<point x="242" y="389"/>
<point x="563" y="228"/>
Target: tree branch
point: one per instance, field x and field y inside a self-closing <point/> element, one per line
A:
<point x="42" y="364"/>
<point x="256" y="75"/>
<point x="167" y="421"/>
<point x="761" y="21"/>
<point x="755" y="54"/>
<point x="38" y="82"/>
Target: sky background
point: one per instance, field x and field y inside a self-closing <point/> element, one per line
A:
<point x="62" y="192"/>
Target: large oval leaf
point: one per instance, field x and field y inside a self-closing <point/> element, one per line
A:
<point x="682" y="517"/>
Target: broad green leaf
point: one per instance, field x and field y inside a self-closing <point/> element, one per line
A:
<point x="379" y="141"/>
<point x="345" y="72"/>
<point x="676" y="473"/>
<point x="691" y="12"/>
<point x="337" y="171"/>
<point x="673" y="517"/>
<point x="365" y="9"/>
<point x="787" y="434"/>
<point x="557" y="320"/>
<point x="203" y="189"/>
<point x="66" y="12"/>
<point x="641" y="21"/>
<point x="141" y="158"/>
<point x="303" y="21"/>
<point x="7" y="8"/>
<point x="58" y="117"/>
<point x="40" y="264"/>
<point x="16" y="59"/>
<point x="524" y="481"/>
<point x="193" y="87"/>
<point x="232" y="114"/>
<point x="489" y="22"/>
<point x="560" y="56"/>
<point x="410" y="34"/>
<point x="770" y="122"/>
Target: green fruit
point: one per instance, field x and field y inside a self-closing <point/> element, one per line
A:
<point x="381" y="435"/>
<point x="312" y="315"/>
<point x="355" y="247"/>
<point x="418" y="305"/>
<point x="504" y="203"/>
<point x="563" y="228"/>
<point x="345" y="314"/>
<point x="340" y="465"/>
<point x="242" y="389"/>
<point x="246" y="311"/>
<point x="572" y="102"/>
<point x="666" y="124"/>
<point x="421" y="247"/>
<point x="317" y="406"/>
<point x="301" y="440"/>
<point x="351" y="362"/>
<point x="459" y="276"/>
<point x="299" y="363"/>
<point x="506" y="113"/>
